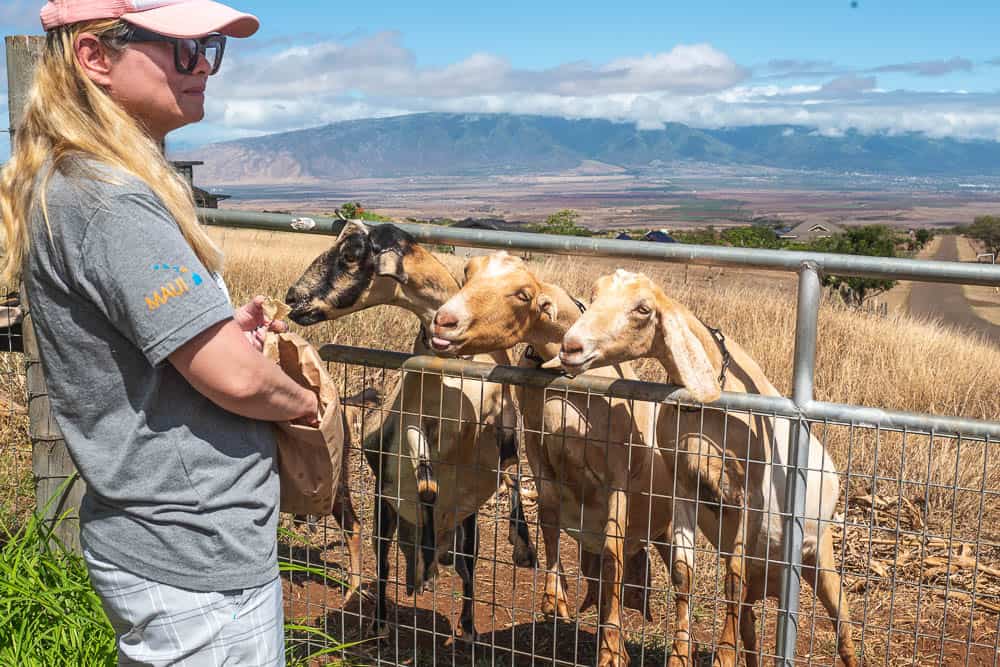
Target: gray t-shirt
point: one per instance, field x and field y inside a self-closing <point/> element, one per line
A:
<point x="179" y="490"/>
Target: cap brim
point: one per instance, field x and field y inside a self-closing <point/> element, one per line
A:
<point x="195" y="18"/>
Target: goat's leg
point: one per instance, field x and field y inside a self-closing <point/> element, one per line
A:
<point x="517" y="533"/>
<point x="733" y="521"/>
<point x="611" y="650"/>
<point x="347" y="518"/>
<point x="834" y="599"/>
<point x="748" y="633"/>
<point x="682" y="574"/>
<point x="428" y="548"/>
<point x="554" y="598"/>
<point x="385" y="526"/>
<point x="465" y="565"/>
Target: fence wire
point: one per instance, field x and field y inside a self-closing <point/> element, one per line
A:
<point x="913" y="530"/>
<point x="17" y="494"/>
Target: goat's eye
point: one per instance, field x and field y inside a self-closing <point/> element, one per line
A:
<point x="524" y="296"/>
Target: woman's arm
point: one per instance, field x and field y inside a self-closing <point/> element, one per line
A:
<point x="220" y="365"/>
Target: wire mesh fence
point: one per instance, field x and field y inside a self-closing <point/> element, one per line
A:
<point x="17" y="495"/>
<point x="911" y="564"/>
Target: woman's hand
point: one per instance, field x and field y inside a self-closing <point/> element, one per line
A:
<point x="254" y="323"/>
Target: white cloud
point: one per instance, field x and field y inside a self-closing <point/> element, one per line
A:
<point x="264" y="91"/>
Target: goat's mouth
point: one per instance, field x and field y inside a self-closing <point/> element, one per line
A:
<point x="576" y="362"/>
<point x="442" y="345"/>
<point x="306" y="315"/>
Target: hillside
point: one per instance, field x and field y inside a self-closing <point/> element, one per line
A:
<point x="439" y="144"/>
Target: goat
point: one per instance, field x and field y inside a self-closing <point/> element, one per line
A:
<point x="466" y="420"/>
<point x="597" y="462"/>
<point x="733" y="454"/>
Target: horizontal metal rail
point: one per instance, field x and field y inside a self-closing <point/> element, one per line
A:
<point x="778" y="260"/>
<point x="655" y="392"/>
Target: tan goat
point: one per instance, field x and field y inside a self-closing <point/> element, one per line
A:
<point x="596" y="463"/>
<point x="436" y="455"/>
<point x="738" y="457"/>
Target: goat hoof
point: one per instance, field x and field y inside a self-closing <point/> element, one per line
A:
<point x="552" y="606"/>
<point x="525" y="556"/>
<point x="609" y="658"/>
<point x="378" y="630"/>
<point x="680" y="655"/>
<point x="354" y="593"/>
<point x="724" y="657"/>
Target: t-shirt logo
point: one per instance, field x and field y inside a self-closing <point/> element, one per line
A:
<point x="177" y="287"/>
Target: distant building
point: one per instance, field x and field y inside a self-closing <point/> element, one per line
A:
<point x="202" y="198"/>
<point x="494" y="224"/>
<point x="810" y="231"/>
<point x="659" y="236"/>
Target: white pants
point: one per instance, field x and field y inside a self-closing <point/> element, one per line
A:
<point x="158" y="625"/>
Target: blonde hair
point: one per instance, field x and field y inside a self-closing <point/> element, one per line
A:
<point x="68" y="116"/>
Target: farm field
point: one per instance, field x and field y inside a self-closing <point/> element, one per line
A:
<point x="626" y="201"/>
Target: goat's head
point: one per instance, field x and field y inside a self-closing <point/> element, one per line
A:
<point x="363" y="268"/>
<point x="499" y="303"/>
<point x="630" y="317"/>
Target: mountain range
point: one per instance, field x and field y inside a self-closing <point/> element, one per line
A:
<point x="445" y="144"/>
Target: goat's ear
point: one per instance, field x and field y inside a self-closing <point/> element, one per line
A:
<point x="390" y="263"/>
<point x="351" y="227"/>
<point x="688" y="363"/>
<point x="547" y="306"/>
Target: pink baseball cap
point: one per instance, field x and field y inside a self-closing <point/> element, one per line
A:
<point x="173" y="18"/>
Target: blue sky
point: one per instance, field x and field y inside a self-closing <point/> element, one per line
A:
<point x="885" y="66"/>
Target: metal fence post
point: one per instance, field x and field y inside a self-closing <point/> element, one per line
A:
<point x="798" y="462"/>
<point x="50" y="459"/>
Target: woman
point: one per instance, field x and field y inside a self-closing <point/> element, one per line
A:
<point x="162" y="402"/>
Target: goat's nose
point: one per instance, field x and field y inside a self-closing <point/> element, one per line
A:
<point x="293" y="295"/>
<point x="445" y="320"/>
<point x="572" y="346"/>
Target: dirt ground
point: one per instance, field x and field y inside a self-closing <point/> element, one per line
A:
<point x="984" y="301"/>
<point x="957" y="305"/>
<point x="904" y="612"/>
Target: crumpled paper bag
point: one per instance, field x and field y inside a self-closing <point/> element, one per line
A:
<point x="309" y="459"/>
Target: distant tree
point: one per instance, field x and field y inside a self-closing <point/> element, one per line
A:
<point x="706" y="236"/>
<point x="564" y="223"/>
<point x="923" y="237"/>
<point x="352" y="210"/>
<point x="986" y="229"/>
<point x="870" y="240"/>
<point x="754" y="236"/>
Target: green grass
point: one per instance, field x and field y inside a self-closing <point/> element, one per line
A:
<point x="50" y="614"/>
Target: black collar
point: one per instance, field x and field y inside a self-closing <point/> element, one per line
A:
<point x="529" y="352"/>
<point x="720" y="340"/>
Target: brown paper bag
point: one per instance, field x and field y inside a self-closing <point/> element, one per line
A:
<point x="309" y="459"/>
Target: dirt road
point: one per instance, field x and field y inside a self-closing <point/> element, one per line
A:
<point x="947" y="302"/>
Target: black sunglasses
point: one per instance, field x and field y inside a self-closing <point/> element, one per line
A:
<point x="187" y="50"/>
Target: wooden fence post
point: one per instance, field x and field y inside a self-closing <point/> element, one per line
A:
<point x="50" y="459"/>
